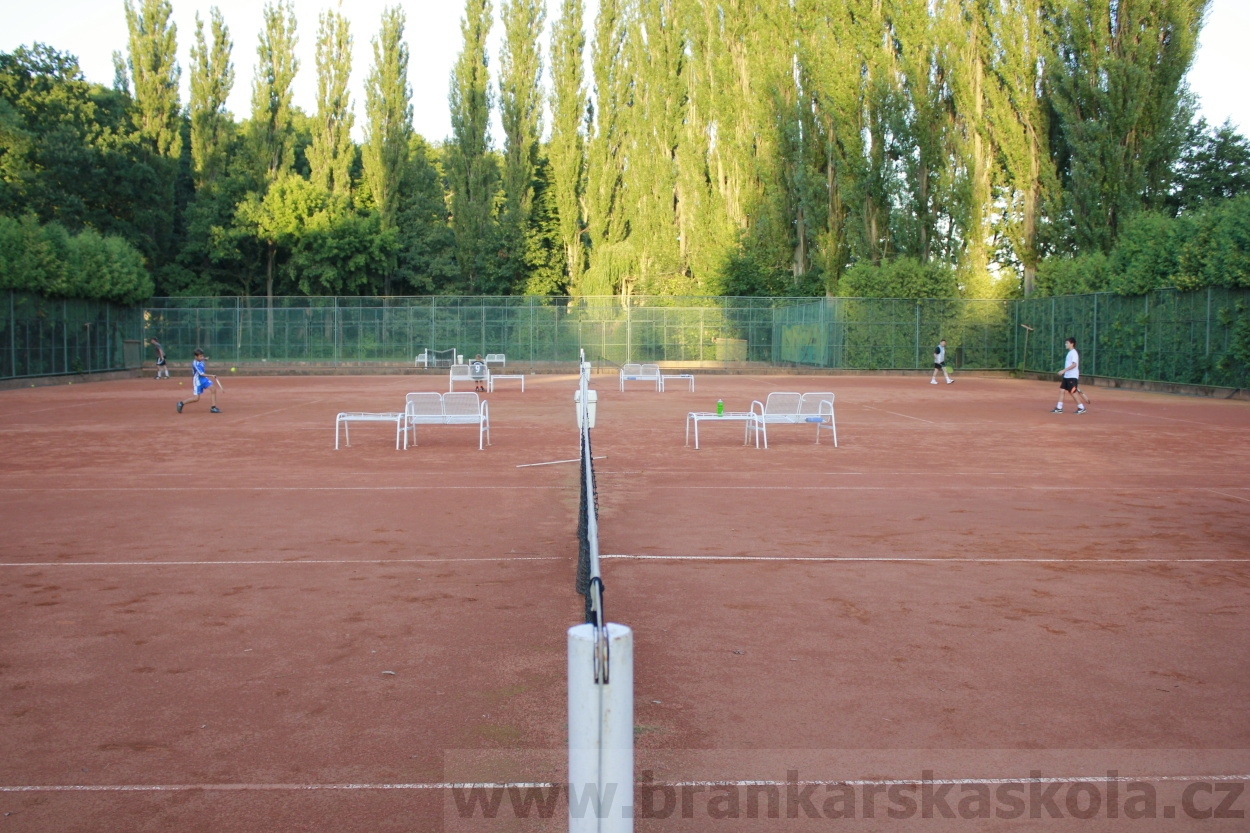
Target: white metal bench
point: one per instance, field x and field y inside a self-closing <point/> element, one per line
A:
<point x="785" y="408"/>
<point x="433" y="408"/>
<point x="464" y="373"/>
<point x="347" y="417"/>
<point x="631" y="372"/>
<point x="496" y="358"/>
<point x="664" y="379"/>
<point x="495" y="377"/>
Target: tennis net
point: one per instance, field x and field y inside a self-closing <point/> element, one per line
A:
<point x="589" y="580"/>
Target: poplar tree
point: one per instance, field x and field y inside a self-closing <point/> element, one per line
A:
<point x="331" y="153"/>
<point x="520" y="105"/>
<point x="470" y="170"/>
<point x="567" y="148"/>
<point x="605" y="156"/>
<point x="212" y="78"/>
<point x="154" y="72"/>
<point x="1019" y="123"/>
<point x="655" y="118"/>
<point x="271" y="131"/>
<point x="832" y="59"/>
<point x="388" y="103"/>
<point x="1116" y="89"/>
<point x="271" y="126"/>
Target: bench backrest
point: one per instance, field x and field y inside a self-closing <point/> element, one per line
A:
<point x="460" y="371"/>
<point x="424" y="405"/>
<point x="461" y="406"/>
<point x="651" y="370"/>
<point x="783" y="403"/>
<point x="810" y="403"/>
<point x="496" y="358"/>
<point x="631" y="369"/>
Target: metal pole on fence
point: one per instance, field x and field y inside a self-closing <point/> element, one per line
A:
<point x="1208" y="348"/>
<point x="1093" y="365"/>
<point x="917" y="334"/>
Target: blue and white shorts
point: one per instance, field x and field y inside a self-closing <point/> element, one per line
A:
<point x="202" y="383"/>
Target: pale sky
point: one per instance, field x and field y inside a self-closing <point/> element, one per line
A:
<point x="92" y="29"/>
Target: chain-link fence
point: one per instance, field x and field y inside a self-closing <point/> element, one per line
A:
<point x="40" y="337"/>
<point x="350" y="330"/>
<point x="892" y="334"/>
<point x="1190" y="337"/>
<point x="1198" y="337"/>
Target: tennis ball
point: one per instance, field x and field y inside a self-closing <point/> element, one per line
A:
<point x="232" y="370"/>
<point x="180" y="384"/>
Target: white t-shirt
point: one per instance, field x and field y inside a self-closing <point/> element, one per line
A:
<point x="939" y="354"/>
<point x="1074" y="360"/>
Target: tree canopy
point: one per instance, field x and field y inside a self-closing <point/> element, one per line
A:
<point x="807" y="147"/>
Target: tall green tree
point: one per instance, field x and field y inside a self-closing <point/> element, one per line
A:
<point x="271" y="128"/>
<point x="566" y="149"/>
<point x="271" y="131"/>
<point x="212" y="79"/>
<point x="520" y="106"/>
<point x="426" y="249"/>
<point x="1116" y="89"/>
<point x="154" y="72"/>
<point x="332" y="152"/>
<point x="471" y="171"/>
<point x="1020" y="124"/>
<point x="69" y="153"/>
<point x="610" y="261"/>
<point x="388" y="134"/>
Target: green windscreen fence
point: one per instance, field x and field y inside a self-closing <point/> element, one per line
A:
<point x="42" y="337"/>
<point x="1188" y="337"/>
<point x="1198" y="337"/>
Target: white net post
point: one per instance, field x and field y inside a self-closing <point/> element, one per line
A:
<point x="601" y="732"/>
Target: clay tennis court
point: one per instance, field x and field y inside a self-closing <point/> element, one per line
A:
<point x="220" y="623"/>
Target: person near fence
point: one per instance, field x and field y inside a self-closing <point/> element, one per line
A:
<point x="1071" y="377"/>
<point x="939" y="363"/>
<point x="201" y="381"/>
<point x="162" y="369"/>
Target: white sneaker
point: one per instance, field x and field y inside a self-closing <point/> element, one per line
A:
<point x="950" y="381"/>
<point x="933" y="381"/>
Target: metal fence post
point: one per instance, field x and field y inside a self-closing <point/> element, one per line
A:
<point x="1093" y="367"/>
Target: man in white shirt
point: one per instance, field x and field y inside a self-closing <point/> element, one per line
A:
<point x="1071" y="377"/>
<point x="939" y="363"/>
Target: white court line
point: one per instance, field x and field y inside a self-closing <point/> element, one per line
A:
<point x="280" y="563"/>
<point x="927" y="559"/>
<point x="42" y="410"/>
<point x="905" y="416"/>
<point x="522" y="785"/>
<point x="1169" y="419"/>
<point x="257" y="488"/>
<point x="278" y="410"/>
<point x="1222" y="494"/>
<point x="960" y="487"/>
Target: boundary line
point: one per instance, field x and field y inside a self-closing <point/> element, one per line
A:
<point x="1222" y="494"/>
<point x="261" y="488"/>
<point x="928" y="559"/>
<point x="272" y="563"/>
<point x="1102" y="778"/>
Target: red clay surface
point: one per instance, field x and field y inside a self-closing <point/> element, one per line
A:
<point x="198" y="612"/>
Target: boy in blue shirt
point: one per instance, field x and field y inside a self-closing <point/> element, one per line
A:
<point x="200" y="382"/>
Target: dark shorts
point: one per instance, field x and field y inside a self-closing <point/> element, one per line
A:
<point x="939" y="365"/>
<point x="160" y="361"/>
<point x="1069" y="384"/>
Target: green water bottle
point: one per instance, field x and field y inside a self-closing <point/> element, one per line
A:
<point x="720" y="407"/>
